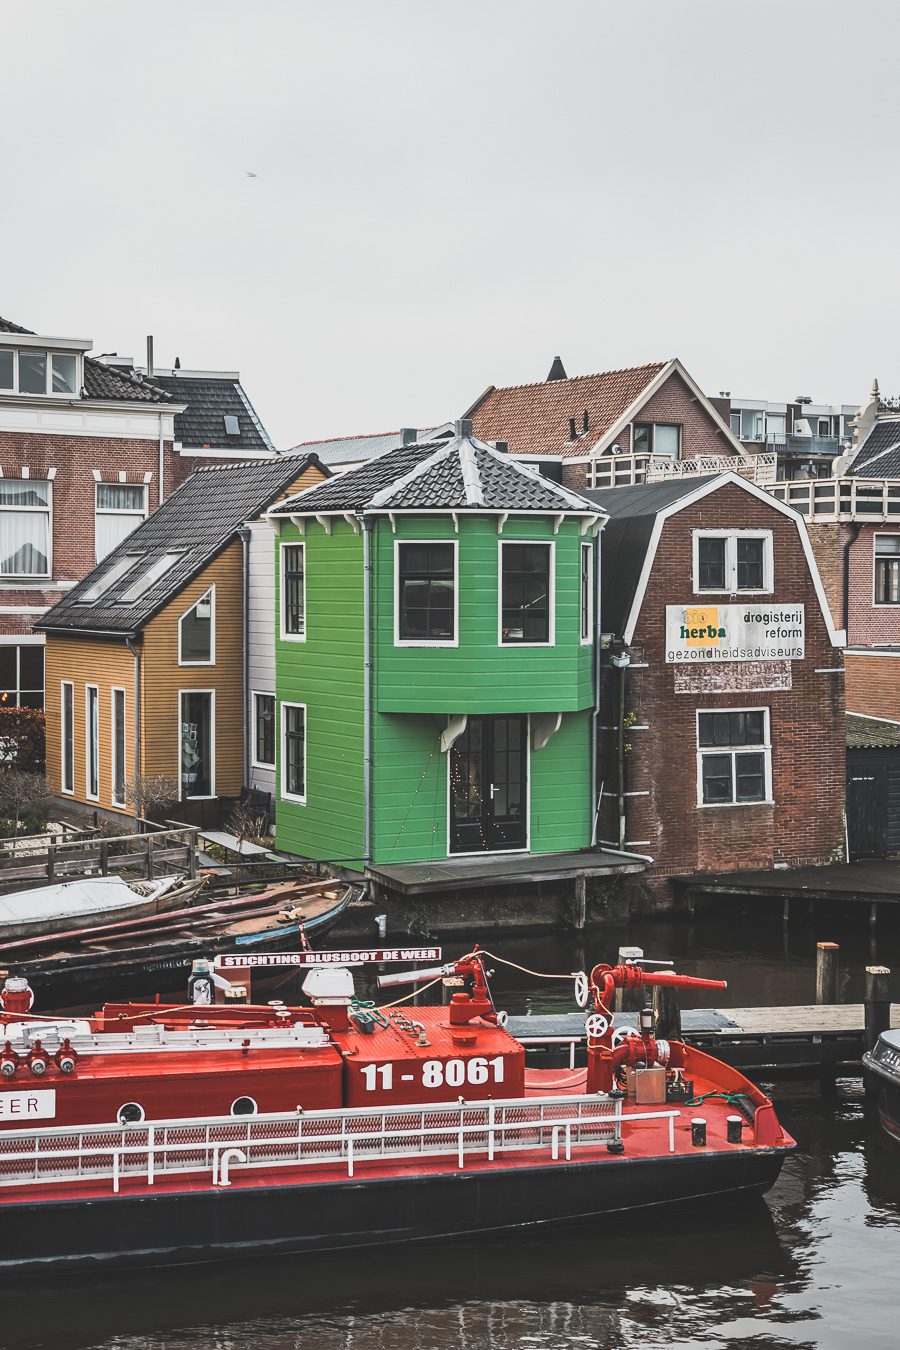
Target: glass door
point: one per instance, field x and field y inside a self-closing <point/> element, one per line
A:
<point x="197" y="749"/>
<point x="489" y="786"/>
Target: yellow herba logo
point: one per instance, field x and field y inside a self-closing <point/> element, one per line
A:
<point x="701" y="626"/>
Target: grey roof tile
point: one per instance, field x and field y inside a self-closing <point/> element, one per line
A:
<point x="196" y="522"/>
<point x="354" y="449"/>
<point x="105" y="382"/>
<point x="879" y="454"/>
<point x="869" y="733"/>
<point x="210" y="399"/>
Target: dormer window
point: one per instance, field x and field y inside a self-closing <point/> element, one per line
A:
<point x="31" y="371"/>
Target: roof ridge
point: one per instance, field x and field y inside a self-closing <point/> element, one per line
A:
<point x="574" y="379"/>
<point x="383" y="495"/>
<point x="574" y="499"/>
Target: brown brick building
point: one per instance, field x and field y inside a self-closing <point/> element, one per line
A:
<point x="720" y="648"/>
<point x="611" y="429"/>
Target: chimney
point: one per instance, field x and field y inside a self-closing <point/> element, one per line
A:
<point x="463" y="428"/>
<point x="573" y="432"/>
<point x="408" y="435"/>
<point x="502" y="447"/>
<point x="150" y="354"/>
<point x="177" y="365"/>
<point x="557" y="370"/>
<point x="585" y="421"/>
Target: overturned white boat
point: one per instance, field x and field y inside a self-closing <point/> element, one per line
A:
<point x="89" y="902"/>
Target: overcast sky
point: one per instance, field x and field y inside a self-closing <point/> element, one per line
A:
<point x="449" y="194"/>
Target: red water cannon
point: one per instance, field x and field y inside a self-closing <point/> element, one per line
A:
<point x="465" y="1005"/>
<point x="608" y="1051"/>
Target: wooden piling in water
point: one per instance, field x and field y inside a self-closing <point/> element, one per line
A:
<point x="878" y="1010"/>
<point x="827" y="972"/>
<point x="668" y="1013"/>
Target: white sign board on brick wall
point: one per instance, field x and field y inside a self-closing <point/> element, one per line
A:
<point x="27" y="1105"/>
<point x="754" y="632"/>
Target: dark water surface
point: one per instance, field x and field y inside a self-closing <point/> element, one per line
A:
<point x="814" y="1265"/>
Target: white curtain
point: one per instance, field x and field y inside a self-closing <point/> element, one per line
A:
<point x="24" y="543"/>
<point x="112" y="529"/>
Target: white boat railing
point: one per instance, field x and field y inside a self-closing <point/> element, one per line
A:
<point x="214" y="1145"/>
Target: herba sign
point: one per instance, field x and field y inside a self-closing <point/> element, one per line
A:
<point x="756" y="632"/>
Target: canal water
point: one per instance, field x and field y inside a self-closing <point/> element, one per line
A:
<point x="813" y="1265"/>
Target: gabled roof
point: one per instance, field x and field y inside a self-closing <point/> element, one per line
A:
<point x="370" y="445"/>
<point x="631" y="536"/>
<point x="210" y="399"/>
<point x="879" y="454"/>
<point x="196" y="522"/>
<point x="105" y="382"/>
<point x="463" y="474"/>
<point x="534" y="419"/>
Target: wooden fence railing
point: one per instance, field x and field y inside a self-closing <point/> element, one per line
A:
<point x="156" y="853"/>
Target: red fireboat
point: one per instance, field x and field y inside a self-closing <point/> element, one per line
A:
<point x="154" y="1133"/>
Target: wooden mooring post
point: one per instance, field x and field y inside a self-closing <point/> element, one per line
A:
<point x="667" y="1011"/>
<point x="580" y="900"/>
<point x="827" y="972"/>
<point x="878" y="1010"/>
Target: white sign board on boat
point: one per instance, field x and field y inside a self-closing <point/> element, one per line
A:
<point x="39" y="1104"/>
<point x="757" y="632"/>
<point x="350" y="956"/>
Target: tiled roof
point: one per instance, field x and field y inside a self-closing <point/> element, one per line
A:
<point x="879" y="454"/>
<point x="868" y="733"/>
<point x="104" y="382"/>
<point x="534" y="418"/>
<point x="210" y="399"/>
<point x="354" y="449"/>
<point x="463" y="474"/>
<point x="196" y="522"/>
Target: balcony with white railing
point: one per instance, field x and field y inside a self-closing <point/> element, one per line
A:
<point x="840" y="499"/>
<point x="627" y="470"/>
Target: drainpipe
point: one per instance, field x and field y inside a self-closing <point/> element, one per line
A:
<point x="245" y="535"/>
<point x="367" y="689"/>
<point x="856" y="531"/>
<point x="621" y="661"/>
<point x="136" y="723"/>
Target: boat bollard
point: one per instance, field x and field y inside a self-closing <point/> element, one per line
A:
<point x="698" y="1132"/>
<point x="735" y="1128"/>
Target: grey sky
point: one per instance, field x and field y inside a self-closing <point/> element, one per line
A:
<point x="449" y="194"/>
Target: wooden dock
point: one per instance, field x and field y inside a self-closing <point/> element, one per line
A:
<point x="804" y="1041"/>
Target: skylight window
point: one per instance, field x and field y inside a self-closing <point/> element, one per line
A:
<point x="149" y="578"/>
<point x="108" y="579"/>
<point x="232" y="426"/>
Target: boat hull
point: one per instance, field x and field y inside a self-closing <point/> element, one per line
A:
<point x="884" y="1068"/>
<point x="225" y="1224"/>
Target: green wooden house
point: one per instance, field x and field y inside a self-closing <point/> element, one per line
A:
<point x="435" y="664"/>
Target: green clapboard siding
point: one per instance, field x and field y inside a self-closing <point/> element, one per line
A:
<point x="326" y="673"/>
<point x="479" y="675"/>
<point x="411" y="801"/>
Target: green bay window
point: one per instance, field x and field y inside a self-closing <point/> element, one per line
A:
<point x="426" y="591"/>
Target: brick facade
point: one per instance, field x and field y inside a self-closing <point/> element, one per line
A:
<point x="873" y="685"/>
<point x="805" y="825"/>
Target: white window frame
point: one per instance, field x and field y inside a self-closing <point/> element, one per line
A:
<point x="293" y="796"/>
<point x="88" y="747"/>
<point x="285" y="635"/>
<point x="424" y="642"/>
<point x="551" y="626"/>
<point x="70" y="790"/>
<point x="254" y="695"/>
<point x="118" y="689"/>
<point x="9" y="578"/>
<point x="731" y="537"/>
<point x="586" y="620"/>
<point x="211" y="592"/>
<point x="882" y="534"/>
<point x="765" y="749"/>
<point x="49" y="392"/>
<point x="108" y="511"/>
<point x="206" y="796"/>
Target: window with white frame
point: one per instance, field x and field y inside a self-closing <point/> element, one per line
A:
<point x="264" y="731"/>
<point x="887" y="569"/>
<point x="293" y="751"/>
<point x="426" y="592"/>
<point x="293" y="591"/>
<point x="197" y="632"/>
<point x="732" y="560"/>
<point x="734" y="757"/>
<point x="526" y="594"/>
<point x="118" y="785"/>
<point x="120" y="508"/>
<point x="30" y="371"/>
<point x="22" y="675"/>
<point x="25" y="527"/>
<point x="657" y="438"/>
<point x="587" y="592"/>
<point x="67" y="738"/>
<point x="92" y="741"/>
